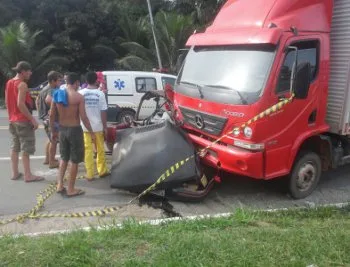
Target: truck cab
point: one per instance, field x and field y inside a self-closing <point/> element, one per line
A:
<point x="257" y="55"/>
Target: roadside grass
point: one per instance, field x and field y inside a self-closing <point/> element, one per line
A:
<point x="318" y="237"/>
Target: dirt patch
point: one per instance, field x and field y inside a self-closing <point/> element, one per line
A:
<point x="142" y="250"/>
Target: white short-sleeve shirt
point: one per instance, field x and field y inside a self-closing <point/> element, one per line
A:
<point x="95" y="102"/>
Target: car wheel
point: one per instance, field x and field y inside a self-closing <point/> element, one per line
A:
<point x="126" y="115"/>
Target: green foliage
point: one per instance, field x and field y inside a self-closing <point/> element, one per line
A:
<point x="310" y="237"/>
<point x="17" y="42"/>
<point x="81" y="35"/>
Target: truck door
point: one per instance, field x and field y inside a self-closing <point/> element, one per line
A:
<point x="301" y="116"/>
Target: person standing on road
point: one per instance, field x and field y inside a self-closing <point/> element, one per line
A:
<point x="70" y="106"/>
<point x="22" y="123"/>
<point x="102" y="83"/>
<point x="64" y="86"/>
<point x="96" y="111"/>
<point x="43" y="104"/>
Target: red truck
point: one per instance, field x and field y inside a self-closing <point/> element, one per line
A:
<point x="255" y="54"/>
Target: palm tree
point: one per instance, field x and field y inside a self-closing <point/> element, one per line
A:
<point x="202" y="11"/>
<point x="136" y="42"/>
<point x="17" y="42"/>
<point x="172" y="31"/>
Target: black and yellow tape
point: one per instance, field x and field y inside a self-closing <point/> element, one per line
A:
<point x="203" y="151"/>
<point x="269" y="111"/>
<point x="165" y="175"/>
<point x="83" y="214"/>
<point x="260" y="116"/>
<point x="43" y="195"/>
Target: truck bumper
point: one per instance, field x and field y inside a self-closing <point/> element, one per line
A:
<point x="232" y="159"/>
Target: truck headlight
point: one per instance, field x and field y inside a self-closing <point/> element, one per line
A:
<point x="236" y="131"/>
<point x="248" y="132"/>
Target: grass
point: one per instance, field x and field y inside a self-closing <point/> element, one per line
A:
<point x="319" y="237"/>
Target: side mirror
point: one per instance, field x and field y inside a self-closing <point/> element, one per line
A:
<point x="302" y="81"/>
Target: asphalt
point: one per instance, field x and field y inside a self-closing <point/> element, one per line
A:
<point x="17" y="196"/>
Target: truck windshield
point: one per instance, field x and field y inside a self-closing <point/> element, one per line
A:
<point x="230" y="75"/>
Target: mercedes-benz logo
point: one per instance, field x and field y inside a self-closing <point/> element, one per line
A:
<point x="199" y="121"/>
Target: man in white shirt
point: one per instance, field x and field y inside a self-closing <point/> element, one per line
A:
<point x="96" y="111"/>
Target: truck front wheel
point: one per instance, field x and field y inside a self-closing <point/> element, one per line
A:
<point x="305" y="175"/>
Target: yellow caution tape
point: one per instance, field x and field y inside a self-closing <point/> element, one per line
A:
<point x="164" y="176"/>
<point x="43" y="195"/>
<point x="202" y="152"/>
<point x="83" y="214"/>
<point x="260" y="116"/>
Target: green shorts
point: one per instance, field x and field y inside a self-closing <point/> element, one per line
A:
<point x="71" y="144"/>
<point x="22" y="137"/>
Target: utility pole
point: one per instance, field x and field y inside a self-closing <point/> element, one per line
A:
<point x="154" y="35"/>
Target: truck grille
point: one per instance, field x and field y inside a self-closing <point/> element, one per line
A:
<point x="208" y="123"/>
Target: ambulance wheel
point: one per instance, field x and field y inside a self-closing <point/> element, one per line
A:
<point x="125" y="114"/>
<point x="305" y="175"/>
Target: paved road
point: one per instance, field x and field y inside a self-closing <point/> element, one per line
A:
<point x="235" y="192"/>
<point x="17" y="196"/>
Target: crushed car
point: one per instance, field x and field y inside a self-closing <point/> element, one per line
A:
<point x="144" y="150"/>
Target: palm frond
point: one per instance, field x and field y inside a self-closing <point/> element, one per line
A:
<point x="138" y="50"/>
<point x="132" y="62"/>
<point x="104" y="50"/>
<point x="52" y="62"/>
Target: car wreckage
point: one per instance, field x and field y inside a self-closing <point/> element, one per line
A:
<point x="143" y="150"/>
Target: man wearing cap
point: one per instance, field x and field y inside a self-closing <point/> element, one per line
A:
<point x="22" y="123"/>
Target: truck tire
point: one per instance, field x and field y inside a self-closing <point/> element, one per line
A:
<point x="305" y="175"/>
<point x="125" y="113"/>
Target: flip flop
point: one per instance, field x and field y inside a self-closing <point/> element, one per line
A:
<point x="54" y="166"/>
<point x="62" y="191"/>
<point x="37" y="179"/>
<point x="79" y="193"/>
<point x="19" y="176"/>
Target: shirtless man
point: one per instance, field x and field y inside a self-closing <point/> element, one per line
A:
<point x="70" y="106"/>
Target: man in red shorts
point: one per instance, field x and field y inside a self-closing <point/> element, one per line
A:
<point x="22" y="123"/>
